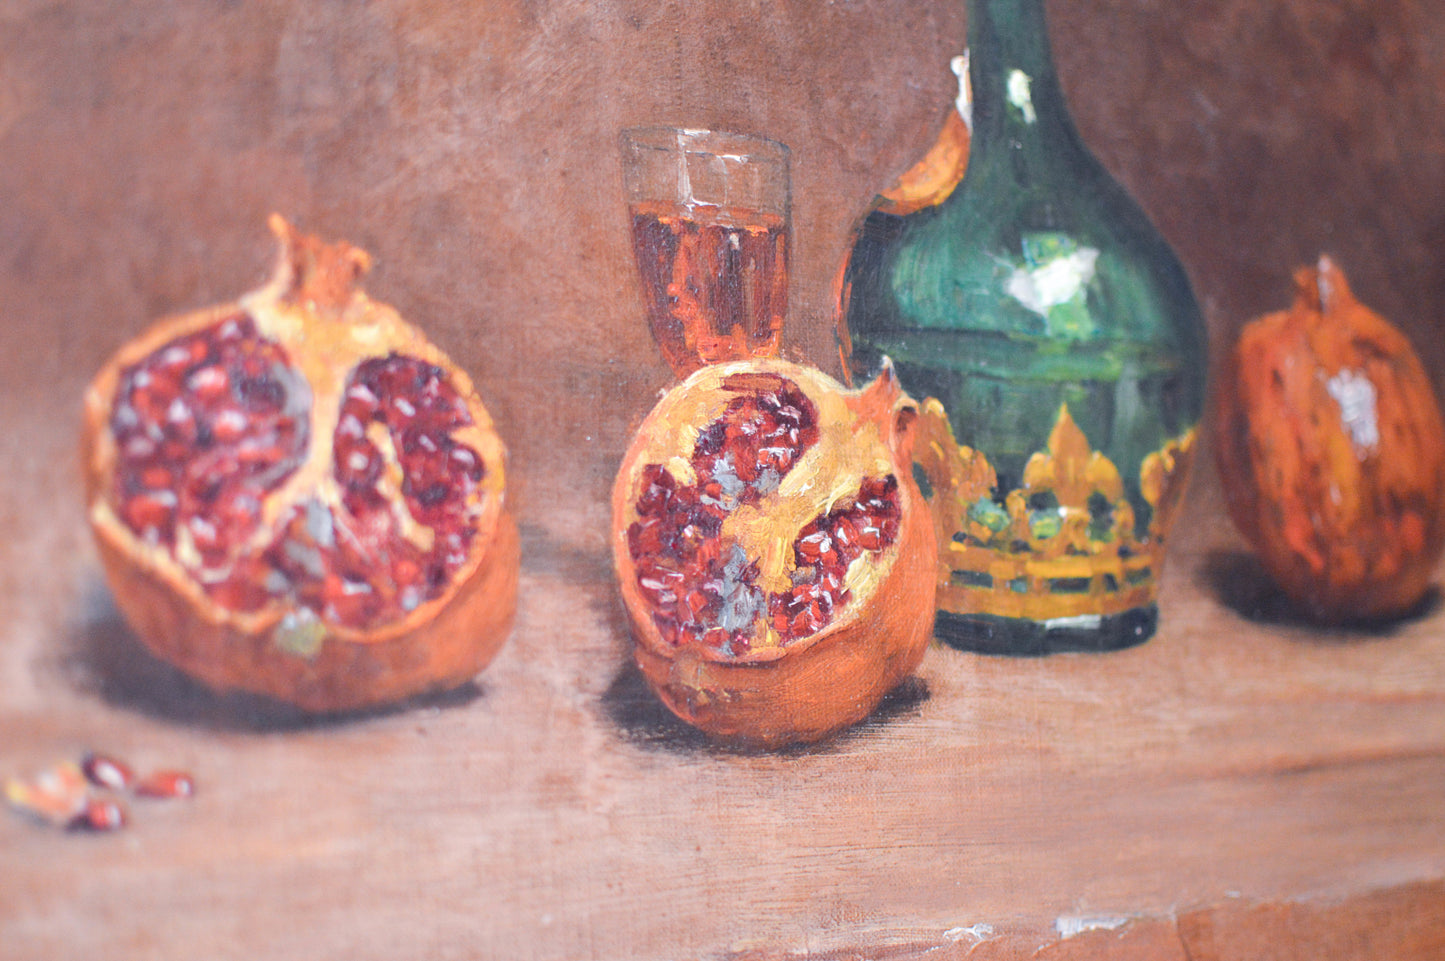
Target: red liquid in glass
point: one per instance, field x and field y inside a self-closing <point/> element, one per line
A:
<point x="715" y="281"/>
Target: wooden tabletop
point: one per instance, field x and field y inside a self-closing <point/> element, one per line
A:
<point x="1239" y="780"/>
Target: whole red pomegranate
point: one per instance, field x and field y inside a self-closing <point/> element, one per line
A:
<point x="296" y="494"/>
<point x="774" y="554"/>
<point x="1332" y="454"/>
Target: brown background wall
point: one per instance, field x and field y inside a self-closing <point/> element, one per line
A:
<point x="472" y="149"/>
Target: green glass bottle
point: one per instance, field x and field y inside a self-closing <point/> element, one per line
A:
<point x="1063" y="355"/>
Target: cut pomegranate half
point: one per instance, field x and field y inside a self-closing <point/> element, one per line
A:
<point x="298" y="494"/>
<point x="773" y="550"/>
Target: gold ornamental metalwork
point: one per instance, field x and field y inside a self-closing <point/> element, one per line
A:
<point x="1064" y="543"/>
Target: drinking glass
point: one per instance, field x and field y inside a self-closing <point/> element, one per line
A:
<point x="710" y="231"/>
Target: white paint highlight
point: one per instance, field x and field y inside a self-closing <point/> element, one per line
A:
<point x="1056" y="282"/>
<point x="974" y="932"/>
<point x="1355" y="394"/>
<point x="1069" y="926"/>
<point x="963" y="103"/>
<point x="1019" y="95"/>
<point x="1086" y="622"/>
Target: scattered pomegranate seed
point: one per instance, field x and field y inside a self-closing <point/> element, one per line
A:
<point x="104" y="771"/>
<point x="57" y="794"/>
<point x="84" y="796"/>
<point x="101" y="814"/>
<point x="166" y="784"/>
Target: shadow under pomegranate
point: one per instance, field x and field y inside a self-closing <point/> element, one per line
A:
<point x="103" y="657"/>
<point x="1240" y="582"/>
<point x="635" y="711"/>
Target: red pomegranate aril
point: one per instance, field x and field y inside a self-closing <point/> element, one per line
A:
<point x="57" y="795"/>
<point x="166" y="784"/>
<point x="358" y="465"/>
<point x="407" y="571"/>
<point x="697" y="602"/>
<point x="209" y="383"/>
<point x="145" y="403"/>
<point x="101" y="814"/>
<point x="156" y="478"/>
<point x="207" y="540"/>
<point x="759" y="432"/>
<point x="150" y="513"/>
<point x="674" y="523"/>
<point x="465" y="459"/>
<point x="228" y="426"/>
<point x="107" y="772"/>
<point x="349" y="427"/>
<point x="263" y="451"/>
<point x="158" y="399"/>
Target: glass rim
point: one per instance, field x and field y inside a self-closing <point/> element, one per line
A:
<point x="700" y="140"/>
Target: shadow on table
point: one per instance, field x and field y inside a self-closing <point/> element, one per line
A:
<point x="1239" y="581"/>
<point x="644" y="720"/>
<point x="104" y="658"/>
<point x="544" y="553"/>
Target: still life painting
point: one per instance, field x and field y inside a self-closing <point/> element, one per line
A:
<point x="784" y="480"/>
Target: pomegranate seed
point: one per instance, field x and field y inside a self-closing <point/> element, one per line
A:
<point x="228" y="426"/>
<point x="350" y="426"/>
<point x="149" y="404"/>
<point x="204" y="535"/>
<point x="813" y="545"/>
<point x="176" y="358"/>
<point x="138" y="447"/>
<point x="105" y="771"/>
<point x="360" y="396"/>
<point x="406" y="571"/>
<point x="230" y="330"/>
<point x="697" y="602"/>
<point x="870" y="539"/>
<point x="156" y="478"/>
<point x="166" y="784"/>
<point x="101" y="814"/>
<point x="150" y="511"/>
<point x="57" y="795"/>
<point x="466" y="460"/>
<point x="179" y="415"/>
<point x="209" y="383"/>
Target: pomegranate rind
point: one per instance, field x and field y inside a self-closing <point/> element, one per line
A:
<point x="1343" y="508"/>
<point x="448" y="649"/>
<point x="810" y="688"/>
<point x="442" y="642"/>
<point x="936" y="175"/>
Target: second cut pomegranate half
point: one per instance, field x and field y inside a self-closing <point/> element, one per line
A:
<point x="775" y="556"/>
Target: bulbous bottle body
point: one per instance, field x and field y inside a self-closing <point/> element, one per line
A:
<point x="1059" y="340"/>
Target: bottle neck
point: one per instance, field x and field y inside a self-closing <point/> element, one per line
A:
<point x="1016" y="94"/>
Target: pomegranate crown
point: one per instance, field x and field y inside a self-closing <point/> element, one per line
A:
<point x="315" y="272"/>
<point x="1321" y="288"/>
<point x="884" y="402"/>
